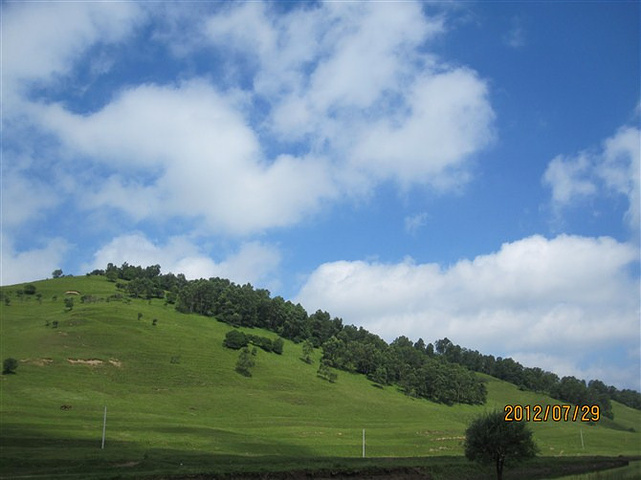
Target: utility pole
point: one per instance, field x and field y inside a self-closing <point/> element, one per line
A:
<point x="363" y="443"/>
<point x="104" y="428"/>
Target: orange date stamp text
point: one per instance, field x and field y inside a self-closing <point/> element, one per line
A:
<point x="555" y="413"/>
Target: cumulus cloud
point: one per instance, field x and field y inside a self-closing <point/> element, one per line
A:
<point x="613" y="169"/>
<point x="341" y="108"/>
<point x="414" y="222"/>
<point x="20" y="202"/>
<point x="187" y="150"/>
<point x="252" y="262"/>
<point x="568" y="294"/>
<point x="42" y="41"/>
<point x="23" y="263"/>
<point x="623" y="376"/>
<point x="378" y="105"/>
<point x="620" y="169"/>
<point x="569" y="179"/>
<point x="449" y="119"/>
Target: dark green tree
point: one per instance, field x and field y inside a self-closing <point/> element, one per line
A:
<point x="379" y="376"/>
<point x="245" y="362"/>
<point x="29" y="289"/>
<point x="235" y="339"/>
<point x="277" y="346"/>
<point x="9" y="366"/>
<point x="69" y="303"/>
<point x="56" y="273"/>
<point x="491" y="440"/>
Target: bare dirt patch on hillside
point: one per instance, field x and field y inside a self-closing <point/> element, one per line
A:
<point x="39" y="362"/>
<point x="115" y="362"/>
<point x="90" y="361"/>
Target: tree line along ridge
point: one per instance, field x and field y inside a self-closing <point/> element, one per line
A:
<point x="443" y="371"/>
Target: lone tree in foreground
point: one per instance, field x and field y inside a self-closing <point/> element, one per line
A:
<point x="490" y="439"/>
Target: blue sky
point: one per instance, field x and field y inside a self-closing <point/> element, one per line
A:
<point x="468" y="170"/>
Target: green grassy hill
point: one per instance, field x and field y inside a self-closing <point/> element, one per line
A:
<point x="173" y="397"/>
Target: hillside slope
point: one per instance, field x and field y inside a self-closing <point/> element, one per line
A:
<point x="172" y="386"/>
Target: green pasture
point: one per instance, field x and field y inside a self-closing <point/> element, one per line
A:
<point x="173" y="398"/>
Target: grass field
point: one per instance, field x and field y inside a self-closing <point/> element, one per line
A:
<point x="175" y="404"/>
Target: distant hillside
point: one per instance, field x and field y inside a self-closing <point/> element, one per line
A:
<point x="170" y="385"/>
<point x="429" y="371"/>
<point x="168" y="381"/>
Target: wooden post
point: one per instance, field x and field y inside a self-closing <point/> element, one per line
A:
<point x="581" y="431"/>
<point x="104" y="428"/>
<point x="363" y="443"/>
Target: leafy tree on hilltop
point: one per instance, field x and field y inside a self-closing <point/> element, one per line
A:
<point x="490" y="439"/>
<point x="56" y="273"/>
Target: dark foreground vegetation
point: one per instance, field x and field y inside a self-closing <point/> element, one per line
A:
<point x="436" y="468"/>
<point x="170" y="465"/>
<point x="441" y="372"/>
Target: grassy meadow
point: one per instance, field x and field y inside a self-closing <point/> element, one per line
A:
<point x="175" y="404"/>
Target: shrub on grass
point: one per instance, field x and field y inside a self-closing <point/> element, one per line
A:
<point x="235" y="340"/>
<point x="326" y="373"/>
<point x="277" y="346"/>
<point x="308" y="351"/>
<point x="245" y="362"/>
<point x="9" y="366"/>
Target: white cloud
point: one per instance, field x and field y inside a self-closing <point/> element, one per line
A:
<point x="620" y="169"/>
<point x="569" y="178"/>
<point x="449" y="119"/>
<point x="349" y="107"/>
<point x="378" y="105"/>
<point x="188" y="151"/>
<point x="20" y="265"/>
<point x="252" y="262"/>
<point x="618" y="375"/>
<point x="24" y="197"/>
<point x="569" y="296"/>
<point x="614" y="169"/>
<point x="41" y="41"/>
<point x="414" y="222"/>
<point x="515" y="38"/>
